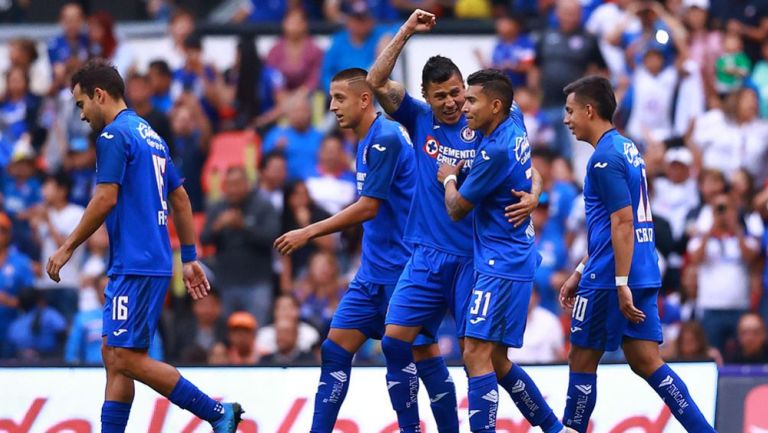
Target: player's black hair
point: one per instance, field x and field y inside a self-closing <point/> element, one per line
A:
<point x="495" y="84"/>
<point x="439" y="69"/>
<point x="98" y="73"/>
<point x="595" y="91"/>
<point x="350" y="74"/>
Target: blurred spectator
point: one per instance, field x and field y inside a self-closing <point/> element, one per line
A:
<point x="53" y="221"/>
<point x="692" y="345"/>
<point x="296" y="55"/>
<point x="201" y="332"/>
<point x="39" y="333"/>
<point x="96" y="262"/>
<point x="354" y="47"/>
<point x="242" y="329"/>
<point x="288" y="351"/>
<point x="15" y="274"/>
<point x="320" y="290"/>
<point x="733" y="66"/>
<point x="514" y="52"/>
<point x="564" y="54"/>
<point x="540" y="131"/>
<point x="69" y="50"/>
<point x="338" y="11"/>
<point x="19" y="111"/>
<point x="242" y="227"/>
<point x="22" y="190"/>
<point x="197" y="78"/>
<point x="763" y="307"/>
<point x="80" y="166"/>
<point x="83" y="345"/>
<point x="300" y="211"/>
<point x="751" y="344"/>
<point x="711" y="184"/>
<point x="139" y="97"/>
<point x="287" y="309"/>
<point x="601" y="23"/>
<point x="22" y="53"/>
<point x="103" y="43"/>
<point x="189" y="140"/>
<point x="298" y="140"/>
<point x="543" y="340"/>
<point x="704" y="43"/>
<point x="748" y="18"/>
<point x="734" y="136"/>
<point x="722" y="258"/>
<point x="561" y="192"/>
<point x="160" y="79"/>
<point x="272" y="176"/>
<point x="180" y="27"/>
<point x="264" y="11"/>
<point x="760" y="80"/>
<point x="253" y="90"/>
<point x="332" y="185"/>
<point x="550" y="244"/>
<point x="742" y="194"/>
<point x="676" y="191"/>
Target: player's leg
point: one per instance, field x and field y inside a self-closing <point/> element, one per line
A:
<point x="434" y="373"/>
<point x="641" y="348"/>
<point x="402" y="374"/>
<point x="483" y="394"/>
<point x="118" y="396"/>
<point x="357" y="313"/>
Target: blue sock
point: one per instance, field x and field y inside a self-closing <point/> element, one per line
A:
<point x="483" y="403"/>
<point x="402" y="383"/>
<point x="187" y="396"/>
<point x="332" y="389"/>
<point x="675" y="394"/>
<point x="529" y="400"/>
<point x="442" y="393"/>
<point x="582" y="396"/>
<point x="114" y="416"/>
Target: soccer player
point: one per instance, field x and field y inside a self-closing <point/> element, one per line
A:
<point x="385" y="182"/>
<point x="615" y="303"/>
<point x="439" y="273"/>
<point x="136" y="185"/>
<point x="505" y="257"/>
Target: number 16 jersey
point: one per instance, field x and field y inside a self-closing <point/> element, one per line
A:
<point x="129" y="153"/>
<point x="616" y="179"/>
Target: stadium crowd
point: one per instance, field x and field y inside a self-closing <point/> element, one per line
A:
<point x="260" y="157"/>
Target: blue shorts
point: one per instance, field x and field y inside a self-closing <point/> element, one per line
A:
<point x="364" y="307"/>
<point x="431" y="283"/>
<point x="498" y="310"/>
<point x="132" y="308"/>
<point x="597" y="322"/>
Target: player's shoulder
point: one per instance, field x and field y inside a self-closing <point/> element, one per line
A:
<point x="392" y="133"/>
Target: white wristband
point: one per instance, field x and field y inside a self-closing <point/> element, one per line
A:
<point x="449" y="178"/>
<point x="622" y="281"/>
<point x="580" y="268"/>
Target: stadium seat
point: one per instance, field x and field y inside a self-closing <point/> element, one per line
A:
<point x="229" y="149"/>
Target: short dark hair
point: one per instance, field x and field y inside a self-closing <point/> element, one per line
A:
<point x="61" y="179"/>
<point x="98" y="73"/>
<point x="28" y="46"/>
<point x="439" y="69"/>
<point x="547" y="155"/>
<point x="161" y="66"/>
<point x="350" y="74"/>
<point x="495" y="84"/>
<point x="596" y="91"/>
<point x="273" y="154"/>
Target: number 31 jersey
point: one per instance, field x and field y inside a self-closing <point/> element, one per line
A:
<point x="129" y="153"/>
<point x="616" y="179"/>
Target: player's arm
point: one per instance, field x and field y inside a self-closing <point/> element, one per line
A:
<point x="101" y="204"/>
<point x="517" y="213"/>
<point x="388" y="92"/>
<point x="457" y="206"/>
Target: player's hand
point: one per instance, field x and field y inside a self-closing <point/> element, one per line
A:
<point x="518" y="212"/>
<point x="420" y="21"/>
<point x="627" y="306"/>
<point x="291" y="241"/>
<point x="568" y="291"/>
<point x="57" y="261"/>
<point x="195" y="280"/>
<point x="446" y="170"/>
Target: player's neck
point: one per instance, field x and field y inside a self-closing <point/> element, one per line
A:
<point x="112" y="110"/>
<point x="488" y="130"/>
<point x="598" y="131"/>
<point x="365" y="124"/>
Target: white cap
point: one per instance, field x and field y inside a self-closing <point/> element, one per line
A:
<point x="701" y="4"/>
<point x="679" y="154"/>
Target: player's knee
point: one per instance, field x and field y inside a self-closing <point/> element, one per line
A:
<point x="501" y="364"/>
<point x="583" y="361"/>
<point x="422" y="353"/>
<point x="644" y="365"/>
<point x="476" y="353"/>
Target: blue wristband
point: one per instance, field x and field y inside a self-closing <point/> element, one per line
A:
<point x="188" y="253"/>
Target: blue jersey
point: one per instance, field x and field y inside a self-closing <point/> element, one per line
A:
<point x="436" y="143"/>
<point x="616" y="179"/>
<point x="502" y="163"/>
<point x="129" y="153"/>
<point x="385" y="171"/>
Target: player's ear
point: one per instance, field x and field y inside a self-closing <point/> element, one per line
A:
<point x="496" y="106"/>
<point x="365" y="99"/>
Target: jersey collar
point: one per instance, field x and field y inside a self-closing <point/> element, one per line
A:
<point x="606" y="136"/>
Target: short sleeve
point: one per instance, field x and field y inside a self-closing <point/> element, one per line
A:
<point x="489" y="169"/>
<point x="383" y="156"/>
<point x="111" y="157"/>
<point x="610" y="180"/>
<point x="174" y="179"/>
<point x="408" y="112"/>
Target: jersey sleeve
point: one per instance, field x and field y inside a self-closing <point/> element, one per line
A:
<point x="382" y="156"/>
<point x="610" y="179"/>
<point x="489" y="169"/>
<point x="174" y="179"/>
<point x="408" y="112"/>
<point x="111" y="157"/>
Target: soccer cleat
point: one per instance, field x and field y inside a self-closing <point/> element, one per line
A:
<point x="228" y="422"/>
